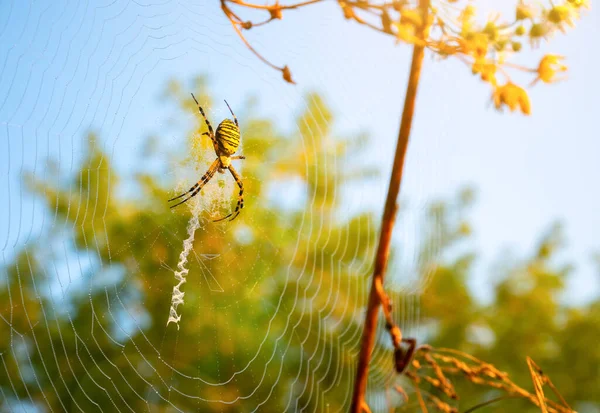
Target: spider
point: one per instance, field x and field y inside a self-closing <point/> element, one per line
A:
<point x="225" y="142"/>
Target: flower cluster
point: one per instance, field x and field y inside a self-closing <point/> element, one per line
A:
<point x="449" y="28"/>
<point x="487" y="47"/>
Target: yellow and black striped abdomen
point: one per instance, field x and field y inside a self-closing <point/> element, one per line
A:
<point x="228" y="137"/>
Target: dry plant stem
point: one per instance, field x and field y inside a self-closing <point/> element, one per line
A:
<point x="437" y="366"/>
<point x="421" y="401"/>
<point x="488" y="402"/>
<point x="537" y="379"/>
<point x="389" y="215"/>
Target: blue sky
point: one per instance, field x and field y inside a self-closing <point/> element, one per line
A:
<point x="70" y="66"/>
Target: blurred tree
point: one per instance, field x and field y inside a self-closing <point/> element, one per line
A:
<point x="273" y="323"/>
<point x="251" y="321"/>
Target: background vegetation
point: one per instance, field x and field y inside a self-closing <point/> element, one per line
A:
<point x="98" y="342"/>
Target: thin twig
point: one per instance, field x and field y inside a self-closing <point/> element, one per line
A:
<point x="275" y="13"/>
<point x="275" y="6"/>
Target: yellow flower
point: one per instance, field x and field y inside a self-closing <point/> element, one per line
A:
<point x="486" y="70"/>
<point x="411" y="21"/>
<point x="538" y="32"/>
<point x="476" y="44"/>
<point x="549" y="66"/>
<point x="512" y="96"/>
<point x="561" y="15"/>
<point x="579" y="3"/>
<point x="467" y="19"/>
<point x="491" y="30"/>
<point x="524" y="12"/>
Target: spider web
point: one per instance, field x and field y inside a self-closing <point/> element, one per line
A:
<point x="262" y="329"/>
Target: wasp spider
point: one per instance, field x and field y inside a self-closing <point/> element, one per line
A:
<point x="225" y="142"/>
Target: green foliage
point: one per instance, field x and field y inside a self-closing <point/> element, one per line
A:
<point x="273" y="300"/>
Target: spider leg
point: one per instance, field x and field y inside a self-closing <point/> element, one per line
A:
<point x="198" y="186"/>
<point x="210" y="133"/>
<point x="238" y="157"/>
<point x="240" y="202"/>
<point x="232" y="114"/>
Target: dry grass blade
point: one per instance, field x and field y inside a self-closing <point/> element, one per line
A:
<point x="438" y="367"/>
<point x="537" y="377"/>
<point x="421" y="401"/>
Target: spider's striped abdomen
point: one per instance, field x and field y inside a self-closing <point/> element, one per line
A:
<point x="227" y="137"/>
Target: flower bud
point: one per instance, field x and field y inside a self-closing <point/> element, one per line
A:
<point x="524" y="12"/>
<point x="559" y="14"/>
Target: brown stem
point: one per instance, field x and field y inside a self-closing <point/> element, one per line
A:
<point x="389" y="215"/>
